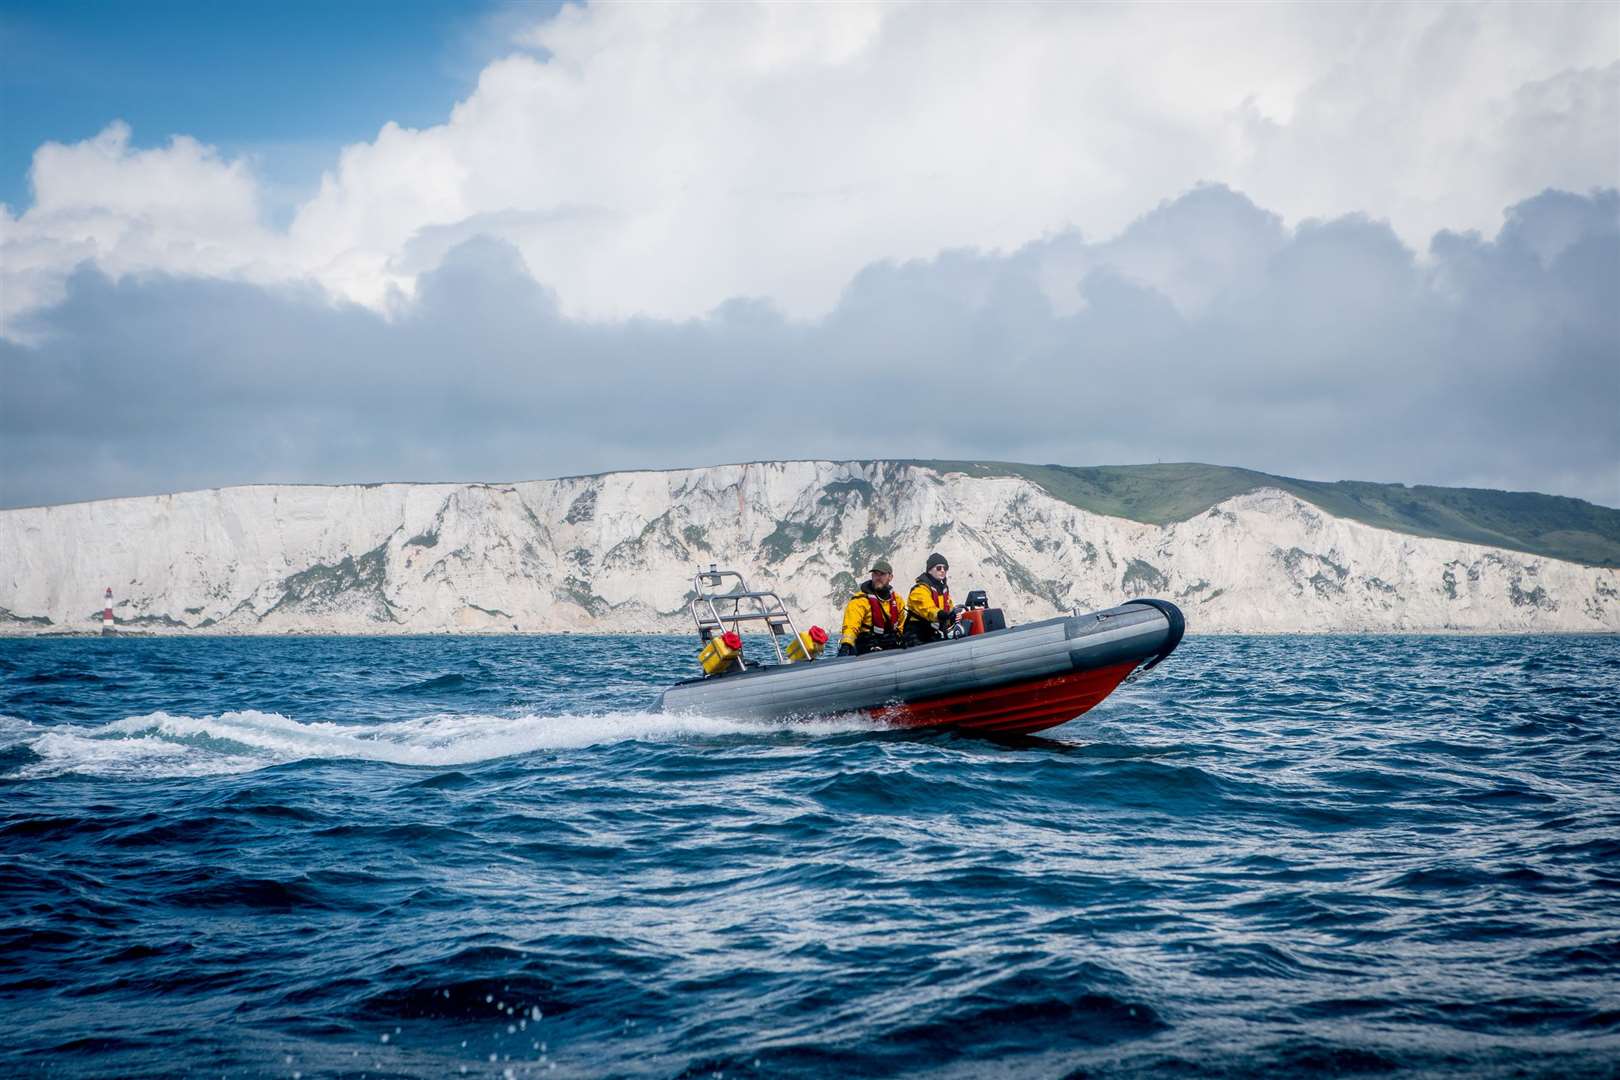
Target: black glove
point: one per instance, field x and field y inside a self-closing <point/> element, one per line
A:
<point x="946" y="617"/>
<point x="846" y="649"/>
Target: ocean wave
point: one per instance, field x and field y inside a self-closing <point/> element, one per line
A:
<point x="1224" y="870"/>
<point x="15" y="730"/>
<point x="160" y="745"/>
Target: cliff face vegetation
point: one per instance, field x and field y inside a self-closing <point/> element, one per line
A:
<point x="1551" y="525"/>
<point x="1239" y="551"/>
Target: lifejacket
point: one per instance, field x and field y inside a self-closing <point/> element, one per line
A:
<point x="885" y="615"/>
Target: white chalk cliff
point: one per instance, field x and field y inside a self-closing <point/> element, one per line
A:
<point x="616" y="553"/>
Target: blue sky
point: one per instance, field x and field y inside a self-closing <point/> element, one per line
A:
<point x="366" y="241"/>
<point x="287" y="83"/>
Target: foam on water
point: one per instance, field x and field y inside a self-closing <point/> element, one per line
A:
<point x="159" y="744"/>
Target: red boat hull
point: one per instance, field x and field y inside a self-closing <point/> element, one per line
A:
<point x="1016" y="709"/>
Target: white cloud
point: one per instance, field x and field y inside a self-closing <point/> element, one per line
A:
<point x="659" y="159"/>
<point x="180" y="209"/>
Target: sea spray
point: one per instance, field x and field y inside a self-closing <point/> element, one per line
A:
<point x="159" y="745"/>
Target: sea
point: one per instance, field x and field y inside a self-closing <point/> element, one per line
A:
<point x="490" y="856"/>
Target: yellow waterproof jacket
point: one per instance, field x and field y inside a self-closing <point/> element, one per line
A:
<point x="928" y="598"/>
<point x="858" y="614"/>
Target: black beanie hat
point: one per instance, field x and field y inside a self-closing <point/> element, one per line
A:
<point x="936" y="559"/>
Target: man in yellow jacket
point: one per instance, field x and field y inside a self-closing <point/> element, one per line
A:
<point x="874" y="617"/>
<point x="929" y="613"/>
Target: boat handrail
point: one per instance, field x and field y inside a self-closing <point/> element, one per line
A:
<point x="765" y="606"/>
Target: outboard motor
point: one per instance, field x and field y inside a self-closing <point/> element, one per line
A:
<point x="979" y="617"/>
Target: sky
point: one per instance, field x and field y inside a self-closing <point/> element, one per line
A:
<point x="303" y="243"/>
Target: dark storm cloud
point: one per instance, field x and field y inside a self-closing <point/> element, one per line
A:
<point x="1207" y="331"/>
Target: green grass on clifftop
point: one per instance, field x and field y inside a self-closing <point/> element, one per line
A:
<point x="1550" y="525"/>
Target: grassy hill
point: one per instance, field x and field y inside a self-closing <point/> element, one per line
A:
<point x="1550" y="525"/>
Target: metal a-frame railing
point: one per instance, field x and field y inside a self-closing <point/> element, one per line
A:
<point x="715" y="612"/>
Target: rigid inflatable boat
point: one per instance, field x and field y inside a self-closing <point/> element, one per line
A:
<point x="1008" y="681"/>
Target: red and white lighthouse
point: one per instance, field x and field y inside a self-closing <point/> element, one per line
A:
<point x="106" y="615"/>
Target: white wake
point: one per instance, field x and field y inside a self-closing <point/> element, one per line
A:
<point x="163" y="745"/>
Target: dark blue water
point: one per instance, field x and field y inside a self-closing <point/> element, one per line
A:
<point x="424" y="857"/>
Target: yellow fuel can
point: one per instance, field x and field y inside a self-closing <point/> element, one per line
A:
<point x="720" y="653"/>
<point x="808" y="645"/>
